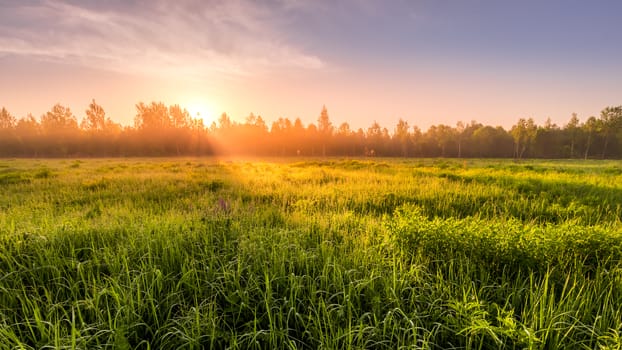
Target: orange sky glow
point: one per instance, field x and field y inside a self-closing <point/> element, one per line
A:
<point x="427" y="63"/>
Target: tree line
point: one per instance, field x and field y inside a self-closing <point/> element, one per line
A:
<point x="161" y="130"/>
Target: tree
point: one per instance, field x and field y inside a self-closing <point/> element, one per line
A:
<point x="157" y="133"/>
<point x="547" y="142"/>
<point x="324" y="128"/>
<point x="99" y="130"/>
<point x="403" y="136"/>
<point x="224" y="122"/>
<point x="460" y="129"/>
<point x="590" y="127"/>
<point x="60" y="131"/>
<point x="344" y="129"/>
<point x="151" y="117"/>
<point x="311" y="137"/>
<point x="27" y="125"/>
<point x="7" y="135"/>
<point x="442" y="136"/>
<point x="298" y="136"/>
<point x="7" y="121"/>
<point x="416" y="140"/>
<point x="198" y="129"/>
<point x="28" y="132"/>
<point x="254" y="135"/>
<point x="95" y="119"/>
<point x="59" y="120"/>
<point x="179" y="118"/>
<point x="280" y="132"/>
<point x="610" y="123"/>
<point x="374" y="139"/>
<point x="180" y="128"/>
<point x="572" y="129"/>
<point x="493" y="142"/>
<point x="524" y="133"/>
<point x="343" y="139"/>
<point x="260" y="125"/>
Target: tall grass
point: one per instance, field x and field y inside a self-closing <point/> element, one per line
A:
<point x="383" y="254"/>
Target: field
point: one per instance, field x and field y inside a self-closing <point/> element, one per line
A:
<point x="310" y="253"/>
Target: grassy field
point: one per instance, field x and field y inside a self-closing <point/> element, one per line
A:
<point x="309" y="254"/>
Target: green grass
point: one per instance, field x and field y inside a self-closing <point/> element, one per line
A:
<point x="308" y="254"/>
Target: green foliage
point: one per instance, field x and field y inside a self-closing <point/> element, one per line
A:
<point x="386" y="254"/>
<point x="12" y="176"/>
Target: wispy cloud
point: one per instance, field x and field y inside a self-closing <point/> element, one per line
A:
<point x="191" y="38"/>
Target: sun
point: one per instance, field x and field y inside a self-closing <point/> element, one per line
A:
<point x="201" y="109"/>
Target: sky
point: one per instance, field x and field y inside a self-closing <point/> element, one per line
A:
<point x="425" y="61"/>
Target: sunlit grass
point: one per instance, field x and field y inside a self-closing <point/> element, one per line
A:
<point x="200" y="253"/>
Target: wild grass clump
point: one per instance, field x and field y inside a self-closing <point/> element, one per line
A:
<point x="43" y="173"/>
<point x="507" y="245"/>
<point x="192" y="254"/>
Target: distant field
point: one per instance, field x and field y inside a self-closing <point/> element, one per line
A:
<point x="310" y="253"/>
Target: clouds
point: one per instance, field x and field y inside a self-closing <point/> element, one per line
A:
<point x="192" y="39"/>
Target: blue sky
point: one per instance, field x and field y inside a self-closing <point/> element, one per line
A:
<point x="427" y="62"/>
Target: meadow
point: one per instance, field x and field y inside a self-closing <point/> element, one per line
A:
<point x="310" y="254"/>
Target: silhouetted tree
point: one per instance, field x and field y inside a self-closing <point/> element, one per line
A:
<point x="374" y="139"/>
<point x="7" y="121"/>
<point x="60" y="131"/>
<point x="58" y="119"/>
<point x="346" y="145"/>
<point x="95" y="118"/>
<point x="280" y="134"/>
<point x="324" y="129"/>
<point x="94" y="124"/>
<point x="153" y="126"/>
<point x="416" y="139"/>
<point x="180" y="124"/>
<point x="298" y="135"/>
<point x="161" y="130"/>
<point x="312" y="137"/>
<point x="403" y="136"/>
<point x="29" y="137"/>
<point x="8" y="141"/>
<point x="151" y="117"/>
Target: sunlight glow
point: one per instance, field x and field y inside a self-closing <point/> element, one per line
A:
<point x="199" y="108"/>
